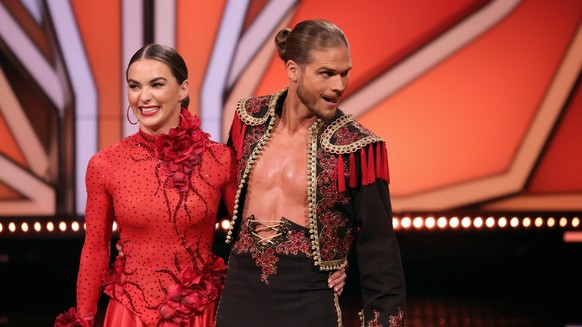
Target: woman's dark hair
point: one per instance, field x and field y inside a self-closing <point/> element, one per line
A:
<point x="308" y="35"/>
<point x="168" y="56"/>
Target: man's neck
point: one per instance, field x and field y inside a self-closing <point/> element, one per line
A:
<point x="295" y="116"/>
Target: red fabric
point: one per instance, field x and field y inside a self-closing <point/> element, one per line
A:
<point x="353" y="171"/>
<point x="119" y="316"/>
<point x="371" y="164"/>
<point x="237" y="132"/>
<point x="162" y="230"/>
<point x="379" y="173"/>
<point x="364" y="166"/>
<point x="340" y="175"/>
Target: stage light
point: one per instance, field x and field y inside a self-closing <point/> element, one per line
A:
<point x="395" y="223"/>
<point x="466" y="222"/>
<point x="502" y="222"/>
<point x="478" y="222"/>
<point x="85" y="226"/>
<point x="1" y="228"/>
<point x="514" y="222"/>
<point x="551" y="222"/>
<point x="12" y="227"/>
<point x="75" y="226"/>
<point x="454" y="222"/>
<point x="490" y="222"/>
<point x="63" y="226"/>
<point x="216" y="226"/>
<point x="539" y="222"/>
<point x="24" y="227"/>
<point x="225" y="224"/>
<point x="430" y="222"/>
<point x="575" y="223"/>
<point x="417" y="222"/>
<point x="442" y="222"/>
<point x="114" y="227"/>
<point x="37" y="226"/>
<point x="563" y="222"/>
<point x="406" y="222"/>
<point x="526" y="222"/>
<point x="50" y="226"/>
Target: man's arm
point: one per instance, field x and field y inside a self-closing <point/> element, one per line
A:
<point x="380" y="267"/>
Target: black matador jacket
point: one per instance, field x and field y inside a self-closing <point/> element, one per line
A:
<point x="348" y="198"/>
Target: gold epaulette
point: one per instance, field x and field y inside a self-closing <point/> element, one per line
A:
<point x="252" y="114"/>
<point x="330" y="143"/>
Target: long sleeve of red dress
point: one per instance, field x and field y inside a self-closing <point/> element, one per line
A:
<point x="99" y="219"/>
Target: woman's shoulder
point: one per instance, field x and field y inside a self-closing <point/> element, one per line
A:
<point x="111" y="151"/>
<point x="218" y="147"/>
<point x="220" y="151"/>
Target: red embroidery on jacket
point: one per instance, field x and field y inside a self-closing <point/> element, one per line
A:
<point x="393" y="321"/>
<point x="332" y="224"/>
<point x="290" y="242"/>
<point x="267" y="260"/>
<point x="253" y="105"/>
<point x="344" y="136"/>
<point x="297" y="243"/>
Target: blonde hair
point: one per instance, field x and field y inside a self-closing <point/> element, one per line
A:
<point x="295" y="44"/>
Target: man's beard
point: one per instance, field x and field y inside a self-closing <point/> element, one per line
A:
<point x="306" y="99"/>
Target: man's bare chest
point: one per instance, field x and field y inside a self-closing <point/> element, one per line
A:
<point x="281" y="163"/>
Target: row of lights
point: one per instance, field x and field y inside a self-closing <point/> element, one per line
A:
<point x="480" y="222"/>
<point x="399" y="223"/>
<point x="49" y="227"/>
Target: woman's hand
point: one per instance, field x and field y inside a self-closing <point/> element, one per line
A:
<point x="337" y="281"/>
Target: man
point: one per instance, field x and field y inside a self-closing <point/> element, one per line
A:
<point x="311" y="180"/>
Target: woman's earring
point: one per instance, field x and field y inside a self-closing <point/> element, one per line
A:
<point x="127" y="115"/>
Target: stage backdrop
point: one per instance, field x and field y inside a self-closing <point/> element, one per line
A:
<point x="479" y="101"/>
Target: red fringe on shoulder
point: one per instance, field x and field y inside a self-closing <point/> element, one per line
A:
<point x="370" y="172"/>
<point x="385" y="169"/>
<point x="378" y="168"/>
<point x="339" y="174"/>
<point x="353" y="172"/>
<point x="364" y="166"/>
<point x="237" y="132"/>
<point x="373" y="164"/>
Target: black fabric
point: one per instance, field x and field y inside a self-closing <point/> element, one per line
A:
<point x="296" y="294"/>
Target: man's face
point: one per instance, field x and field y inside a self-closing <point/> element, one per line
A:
<point x="323" y="80"/>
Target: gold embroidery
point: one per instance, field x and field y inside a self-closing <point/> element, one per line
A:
<point x="338" y="309"/>
<point x="245" y="117"/>
<point x="264" y="139"/>
<point x="348" y="148"/>
<point x="312" y="191"/>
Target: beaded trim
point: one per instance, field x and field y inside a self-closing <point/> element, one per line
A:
<point x="312" y="202"/>
<point x="253" y="157"/>
<point x="312" y="191"/>
<point x="338" y="310"/>
<point x="245" y="117"/>
<point x="348" y="148"/>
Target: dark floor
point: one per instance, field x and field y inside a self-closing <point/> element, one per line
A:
<point x="528" y="278"/>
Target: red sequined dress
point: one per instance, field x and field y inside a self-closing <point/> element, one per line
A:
<point x="164" y="193"/>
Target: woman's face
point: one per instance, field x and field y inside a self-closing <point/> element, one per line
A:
<point x="155" y="95"/>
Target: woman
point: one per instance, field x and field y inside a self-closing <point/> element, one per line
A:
<point x="163" y="186"/>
